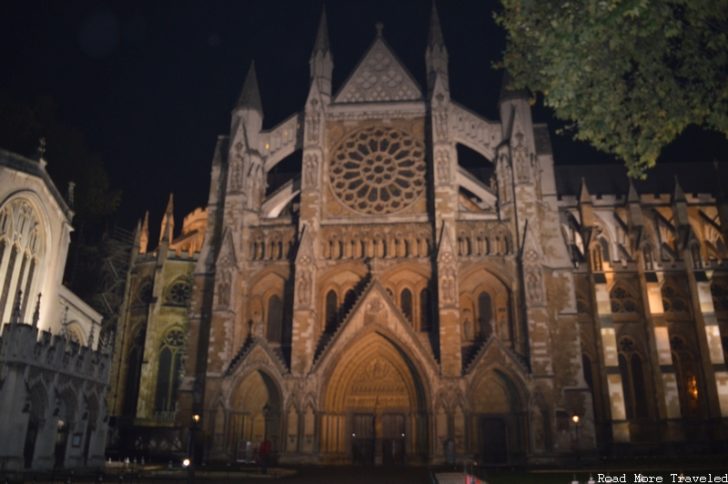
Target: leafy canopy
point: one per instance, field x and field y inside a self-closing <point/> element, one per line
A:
<point x="628" y="76"/>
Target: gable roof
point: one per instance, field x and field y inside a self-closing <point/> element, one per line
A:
<point x="379" y="77"/>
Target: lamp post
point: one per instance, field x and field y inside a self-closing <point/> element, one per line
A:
<point x="190" y="461"/>
<point x="576" y="420"/>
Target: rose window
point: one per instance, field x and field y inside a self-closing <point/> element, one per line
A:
<point x="378" y="170"/>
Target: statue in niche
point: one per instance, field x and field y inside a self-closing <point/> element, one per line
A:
<point x="447" y="282"/>
<point x="534" y="285"/>
<point x="313" y="122"/>
<point x="443" y="166"/>
<point x="303" y="287"/>
<point x="521" y="159"/>
<point x="223" y="288"/>
<point x="439" y="113"/>
<point x="310" y="171"/>
<point x="538" y="430"/>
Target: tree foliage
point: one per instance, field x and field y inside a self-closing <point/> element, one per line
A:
<point x="627" y="76"/>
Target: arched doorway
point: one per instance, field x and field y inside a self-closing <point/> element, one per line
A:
<point x="374" y="406"/>
<point x="255" y="415"/>
<point x="498" y="420"/>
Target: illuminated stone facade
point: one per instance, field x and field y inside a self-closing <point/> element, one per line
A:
<point x="386" y="303"/>
<point x="151" y="337"/>
<point x="54" y="370"/>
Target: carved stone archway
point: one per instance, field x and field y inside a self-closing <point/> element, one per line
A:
<point x="374" y="406"/>
<point x="255" y="414"/>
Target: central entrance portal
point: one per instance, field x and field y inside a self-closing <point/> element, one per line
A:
<point x="375" y="410"/>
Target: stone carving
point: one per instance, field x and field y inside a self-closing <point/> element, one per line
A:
<point x="447" y="287"/>
<point x="534" y="280"/>
<point x="223" y="288"/>
<point x="443" y="166"/>
<point x="313" y="122"/>
<point x="375" y="311"/>
<point x="378" y="171"/>
<point x="303" y="287"/>
<point x="379" y="77"/>
<point x="439" y="115"/>
<point x="521" y="160"/>
<point x="310" y="171"/>
<point x="236" y="177"/>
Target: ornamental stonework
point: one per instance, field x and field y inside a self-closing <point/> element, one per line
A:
<point x="378" y="170"/>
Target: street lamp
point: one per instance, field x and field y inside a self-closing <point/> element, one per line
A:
<point x="189" y="462"/>
<point x="576" y="420"/>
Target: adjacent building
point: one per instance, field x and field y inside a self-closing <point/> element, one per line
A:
<point x="53" y="369"/>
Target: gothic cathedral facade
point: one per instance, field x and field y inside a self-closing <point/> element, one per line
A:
<point x="385" y="304"/>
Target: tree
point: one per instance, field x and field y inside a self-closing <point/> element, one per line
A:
<point x="22" y="124"/>
<point x="627" y="76"/>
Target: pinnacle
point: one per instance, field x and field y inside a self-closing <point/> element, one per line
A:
<point x="632" y="195"/>
<point x="678" y="195"/>
<point x="322" y="35"/>
<point x="250" y="96"/>
<point x="584" y="195"/>
<point x="435" y="37"/>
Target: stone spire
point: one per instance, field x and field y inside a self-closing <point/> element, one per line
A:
<point x="15" y="315"/>
<point x="250" y="95"/>
<point x="144" y="234"/>
<point x="436" y="53"/>
<point x="167" y="228"/>
<point x="36" y="313"/>
<point x="321" y="63"/>
<point x="508" y="92"/>
<point x="636" y="222"/>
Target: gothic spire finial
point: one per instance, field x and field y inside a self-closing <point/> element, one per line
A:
<point x="322" y="35"/>
<point x="678" y="195"/>
<point x="92" y="335"/>
<point x="166" y="232"/>
<point x="15" y="316"/>
<point x="250" y="96"/>
<point x="42" y="151"/>
<point x="36" y="313"/>
<point x="584" y="196"/>
<point x="632" y="195"/>
<point x="64" y="324"/>
<point x="380" y="27"/>
<point x="435" y="37"/>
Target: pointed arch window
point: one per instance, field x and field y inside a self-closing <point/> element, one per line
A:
<point x="686" y="371"/>
<point x="168" y="370"/>
<point x="405" y="301"/>
<point x="331" y="307"/>
<point x="633" y="380"/>
<point x="426" y="312"/>
<point x="275" y="318"/>
<point x="133" y="374"/>
<point x="485" y="316"/>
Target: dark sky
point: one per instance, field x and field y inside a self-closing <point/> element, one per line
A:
<point x="151" y="84"/>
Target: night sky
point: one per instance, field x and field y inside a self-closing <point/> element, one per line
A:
<point x="152" y="84"/>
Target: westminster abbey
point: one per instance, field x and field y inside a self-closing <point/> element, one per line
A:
<point x="388" y="303"/>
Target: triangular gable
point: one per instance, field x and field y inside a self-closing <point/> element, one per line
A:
<point x="379" y="77"/>
<point x="375" y="309"/>
<point x="226" y="257"/>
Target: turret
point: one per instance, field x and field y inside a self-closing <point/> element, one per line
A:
<point x="321" y="63"/>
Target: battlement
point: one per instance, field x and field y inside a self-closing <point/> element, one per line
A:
<point x="23" y="344"/>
